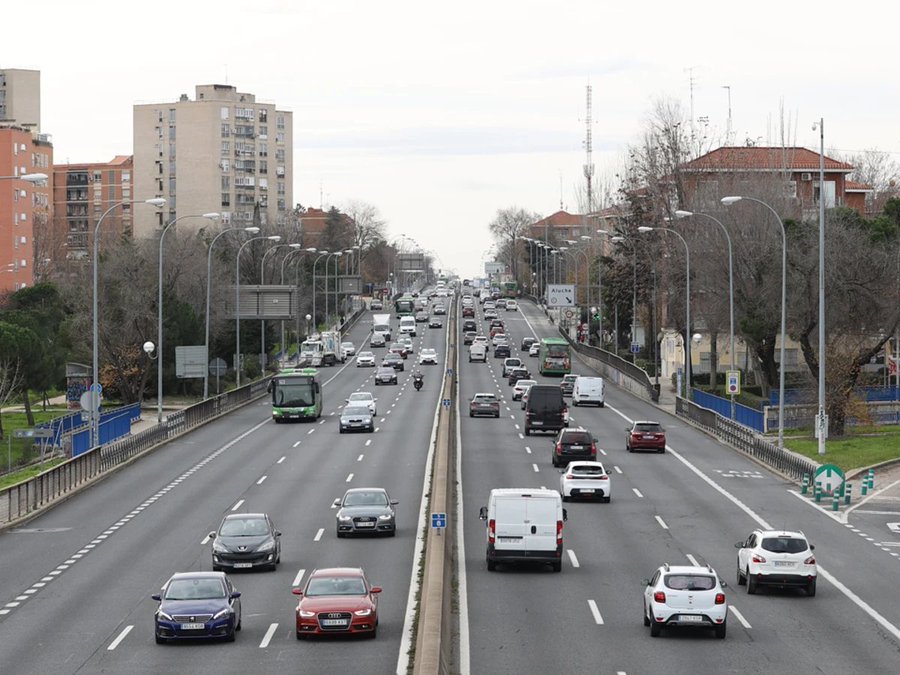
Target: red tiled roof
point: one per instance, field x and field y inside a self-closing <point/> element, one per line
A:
<point x="762" y="159"/>
<point x="853" y="186"/>
<point x="560" y="219"/>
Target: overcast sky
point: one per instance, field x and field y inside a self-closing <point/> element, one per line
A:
<point x="441" y="114"/>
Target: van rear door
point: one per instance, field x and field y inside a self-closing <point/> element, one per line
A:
<point x="510" y="526"/>
<point x="540" y="525"/>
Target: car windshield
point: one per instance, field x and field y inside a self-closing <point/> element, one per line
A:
<point x="195" y="589"/>
<point x="366" y="355"/>
<point x="335" y="586"/>
<point x="366" y="499"/>
<point x="360" y="397"/>
<point x="690" y="582"/>
<point x="385" y="371"/>
<point x="784" y="544"/>
<point x="524" y="384"/>
<point x="356" y="410"/>
<point x="288" y="393"/>
<point x="648" y="427"/>
<point x="347" y="344"/>
<point x="520" y="371"/>
<point x="243" y="527"/>
<point x="569" y="378"/>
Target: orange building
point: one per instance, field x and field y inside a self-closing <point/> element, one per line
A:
<point x="24" y="206"/>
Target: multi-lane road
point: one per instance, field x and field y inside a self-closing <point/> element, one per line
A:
<point x="75" y="582"/>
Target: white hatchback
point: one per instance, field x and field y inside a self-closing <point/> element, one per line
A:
<point x="585" y="479"/>
<point x="685" y="595"/>
<point x="428" y="355"/>
<point x="777" y="558"/>
<point x="361" y="398"/>
<point x="365" y="359"/>
<point x="520" y="387"/>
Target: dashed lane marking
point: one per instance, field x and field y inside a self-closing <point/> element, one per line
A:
<point x="739" y="616"/>
<point x="268" y="636"/>
<point x="239" y="504"/>
<point x="119" y="638"/>
<point x="572" y="558"/>
<point x="598" y="619"/>
<point x="637" y="492"/>
<point x="661" y="522"/>
<point x="261" y="480"/>
<point x="319" y="534"/>
<point x="692" y="559"/>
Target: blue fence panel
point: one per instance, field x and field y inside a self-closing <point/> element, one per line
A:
<point x="870" y="393"/>
<point x="744" y="415"/>
<point x="113" y="425"/>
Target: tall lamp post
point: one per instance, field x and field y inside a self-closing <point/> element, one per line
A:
<point x="159" y="309"/>
<point x="728" y="201"/>
<point x="822" y="421"/>
<point x="620" y="239"/>
<point x="600" y="290"/>
<point x="322" y="254"/>
<point x="336" y="255"/>
<point x="687" y="304"/>
<point x="237" y="304"/>
<point x="248" y="230"/>
<point x="95" y="417"/>
<point x="263" y="357"/>
<point x="297" y="291"/>
<point x="687" y="214"/>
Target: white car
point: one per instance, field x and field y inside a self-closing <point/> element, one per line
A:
<point x="428" y="355"/>
<point x="585" y="479"/>
<point x="408" y="341"/>
<point x="480" y="339"/>
<point x="499" y="338"/>
<point x="363" y="398"/>
<point x="512" y="305"/>
<point x="365" y="359"/>
<point x="776" y="557"/>
<point x="510" y="363"/>
<point x="490" y="314"/>
<point x="534" y="350"/>
<point x="524" y="397"/>
<point x="520" y="388"/>
<point x="348" y="349"/>
<point x="685" y="595"/>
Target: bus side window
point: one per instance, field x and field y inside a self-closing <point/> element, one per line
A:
<point x="317" y="387"/>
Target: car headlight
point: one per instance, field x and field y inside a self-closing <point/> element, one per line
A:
<point x="268" y="546"/>
<point x="222" y="614"/>
<point x="344" y="519"/>
<point x="386" y="516"/>
<point x="363" y="612"/>
<point x="162" y="615"/>
<point x="305" y="614"/>
<point x="219" y="547"/>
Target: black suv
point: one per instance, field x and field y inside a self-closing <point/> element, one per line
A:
<point x="545" y="409"/>
<point x="573" y="444"/>
<point x="501" y="351"/>
<point x="469" y="324"/>
<point x="526" y="343"/>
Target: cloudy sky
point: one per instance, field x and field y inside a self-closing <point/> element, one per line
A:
<point x="441" y="114"/>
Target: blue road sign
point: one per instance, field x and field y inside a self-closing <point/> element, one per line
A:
<point x="438" y="520"/>
<point x="446" y="402"/>
<point x="97" y="387"/>
<point x="635" y="347"/>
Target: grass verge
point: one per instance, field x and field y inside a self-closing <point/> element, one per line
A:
<point x="24" y="474"/>
<point x="863" y="447"/>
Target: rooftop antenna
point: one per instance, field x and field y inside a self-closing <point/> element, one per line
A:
<point x="226" y="73"/>
<point x="588" y="162"/>
<point x="321" y="196"/>
<point x="691" y="84"/>
<point x="727" y="87"/>
<point x="560" y="191"/>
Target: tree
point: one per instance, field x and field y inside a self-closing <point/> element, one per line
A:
<point x="506" y="227"/>
<point x="878" y="170"/>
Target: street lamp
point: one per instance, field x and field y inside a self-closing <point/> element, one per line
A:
<point x="322" y="254"/>
<point x="262" y="282"/>
<point x="728" y="201"/>
<point x="159" y="309"/>
<point x="249" y="230"/>
<point x="296" y="291"/>
<point x="822" y="421"/>
<point x="600" y="291"/>
<point x="237" y="304"/>
<point x="28" y="177"/>
<point x="687" y="214"/>
<point x="336" y="254"/>
<point x="620" y="239"/>
<point x="687" y="304"/>
<point x="95" y="417"/>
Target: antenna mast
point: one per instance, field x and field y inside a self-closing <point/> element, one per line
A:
<point x="727" y="87"/>
<point x="691" y="84"/>
<point x="588" y="146"/>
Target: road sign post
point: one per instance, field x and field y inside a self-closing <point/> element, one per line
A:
<point x="831" y="478"/>
<point x="733" y="382"/>
<point x="438" y="522"/>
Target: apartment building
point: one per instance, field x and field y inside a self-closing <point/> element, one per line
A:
<point x="222" y="152"/>
<point x="20" y="98"/>
<point x="24" y="206"/>
<point x="82" y="193"/>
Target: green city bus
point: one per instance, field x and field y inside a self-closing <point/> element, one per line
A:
<point x="509" y="289"/>
<point x="554" y="357"/>
<point x="296" y="395"/>
<point x="405" y="305"/>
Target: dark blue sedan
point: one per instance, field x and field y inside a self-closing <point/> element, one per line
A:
<point x="196" y="605"/>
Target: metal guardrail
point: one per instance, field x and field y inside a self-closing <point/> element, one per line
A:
<point x="745" y="439"/>
<point x="22" y="499"/>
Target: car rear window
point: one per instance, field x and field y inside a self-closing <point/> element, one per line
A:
<point x="784" y="544"/>
<point x="586" y="470"/>
<point x="690" y="582"/>
<point x="648" y="427"/>
<point x="576" y="437"/>
<point x="542" y="398"/>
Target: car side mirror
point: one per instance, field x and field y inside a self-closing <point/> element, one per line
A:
<point x="297" y="591"/>
<point x="375" y="589"/>
<point x="346" y="400"/>
<point x="395" y="501"/>
<point x="337" y="502"/>
<point x="645" y="582"/>
<point x="740" y="544"/>
<point x="812" y="548"/>
<point x="723" y="583"/>
<point x="277" y="533"/>
<point x="482" y="514"/>
<point x="235" y="595"/>
<point x="157" y="597"/>
<point x="565" y="514"/>
<point x="212" y="535"/>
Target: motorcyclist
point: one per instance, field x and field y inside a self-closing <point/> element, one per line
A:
<point x="418" y="379"/>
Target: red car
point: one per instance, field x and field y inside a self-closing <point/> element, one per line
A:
<point x="337" y="601"/>
<point x="645" y="435"/>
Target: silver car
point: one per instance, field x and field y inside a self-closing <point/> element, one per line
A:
<point x="366" y="510"/>
<point x="357" y="417"/>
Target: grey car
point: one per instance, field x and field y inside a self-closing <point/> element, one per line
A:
<point x="246" y="541"/>
<point x="357" y="418"/>
<point x="366" y="510"/>
<point x="385" y="375"/>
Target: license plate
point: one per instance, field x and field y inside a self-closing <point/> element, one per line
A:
<point x="365" y="524"/>
<point x="193" y="626"/>
<point x="649" y="437"/>
<point x="587" y="491"/>
<point x="537" y="424"/>
<point x="577" y="447"/>
<point x="334" y="622"/>
<point x="783" y="563"/>
<point x="243" y="565"/>
<point x="509" y="540"/>
<point x="691" y="618"/>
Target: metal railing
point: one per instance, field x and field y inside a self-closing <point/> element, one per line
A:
<point x="34" y="494"/>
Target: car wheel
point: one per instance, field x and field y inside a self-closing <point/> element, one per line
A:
<point x="216" y="568"/>
<point x="491" y="565"/>
<point x="661" y="450"/>
<point x="527" y="431"/>
<point x="645" y="617"/>
<point x="557" y="566"/>
<point x="341" y="430"/>
<point x="300" y="635"/>
<point x="741" y="581"/>
<point x="655" y="629"/>
<point x="373" y="634"/>
<point x="339" y="534"/>
<point x="751" y="584"/>
<point x="160" y="640"/>
<point x="239" y="624"/>
<point x="629" y="448"/>
<point x="497" y="416"/>
<point x="566" y="498"/>
<point x="602" y="404"/>
<point x="607" y="499"/>
<point x="811" y="589"/>
<point x="720" y="631"/>
<point x="471" y="414"/>
<point x="231" y="636"/>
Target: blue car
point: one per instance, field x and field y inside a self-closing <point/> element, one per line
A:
<point x="196" y="605"/>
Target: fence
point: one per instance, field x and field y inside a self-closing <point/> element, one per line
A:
<point x="745" y="415"/>
<point x="21" y="499"/>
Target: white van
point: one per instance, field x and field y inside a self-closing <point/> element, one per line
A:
<point x="524" y="525"/>
<point x="408" y="325"/>
<point x="588" y="390"/>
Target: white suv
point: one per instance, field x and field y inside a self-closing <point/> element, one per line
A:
<point x="776" y="557"/>
<point x="685" y="595"/>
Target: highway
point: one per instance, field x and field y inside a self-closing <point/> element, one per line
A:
<point x="76" y="581"/>
<point x="690" y="504"/>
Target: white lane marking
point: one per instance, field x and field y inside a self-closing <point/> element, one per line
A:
<point x="12" y="604"/>
<point x="572" y="558"/>
<point x="261" y="480"/>
<point x="521" y="437"/>
<point x="360" y="458"/>
<point x="310" y="431"/>
<point x="119" y="638"/>
<point x="870" y="497"/>
<point x="268" y="636"/>
<point x="281" y="460"/>
<point x="637" y="492"/>
<point x="368" y="442"/>
<point x="299" y="577"/>
<point x="739" y="616"/>
<point x="692" y="559"/>
<point x="528" y="450"/>
<point x="21" y="597"/>
<point x="35" y="590"/>
<point x="4" y="611"/>
<point x="618" y="470"/>
<point x="323" y="421"/>
<point x="295" y="444"/>
<point x="349" y="478"/>
<point x="517" y="426"/>
<point x="661" y="522"/>
<point x="204" y="541"/>
<point x="535" y="467"/>
<point x="240" y="503"/>
<point x="319" y="534"/>
<point x="596" y="612"/>
<point x="603" y="452"/>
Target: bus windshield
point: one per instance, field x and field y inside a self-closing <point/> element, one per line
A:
<point x="294" y="393"/>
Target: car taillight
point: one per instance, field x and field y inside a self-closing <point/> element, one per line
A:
<point x="491" y="534"/>
<point x="603" y="477"/>
<point x="570" y="477"/>
<point x="811" y="560"/>
<point x="659" y="596"/>
<point x="593" y="449"/>
<point x="559" y="528"/>
<point x="720" y="598"/>
<point x="559" y="448"/>
<point x="757" y="558"/>
<point x="528" y="413"/>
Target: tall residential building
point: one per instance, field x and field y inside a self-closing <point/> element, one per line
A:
<point x="82" y="193"/>
<point x="20" y="98"/>
<point x="24" y="206"/>
<point x="222" y="152"/>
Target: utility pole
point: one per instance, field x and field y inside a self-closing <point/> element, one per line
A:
<point x="728" y="127"/>
<point x="588" y="162"/>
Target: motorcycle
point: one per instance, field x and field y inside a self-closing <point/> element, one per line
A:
<point x="418" y="381"/>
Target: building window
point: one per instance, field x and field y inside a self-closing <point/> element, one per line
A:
<point x="226" y="148"/>
<point x="171" y="134"/>
<point x="263" y="130"/>
<point x="224" y="112"/>
<point x="790" y="189"/>
<point x="281" y="187"/>
<point x="263" y="166"/>
<point x="172" y="151"/>
<point x="126" y="176"/>
<point x="172" y="186"/>
<point x="226" y="130"/>
<point x="279" y="154"/>
<point x="279" y="137"/>
<point x="279" y="121"/>
<point x="226" y="183"/>
<point x="172" y="115"/>
<point x="226" y="165"/>
<point x="172" y="168"/>
<point x="281" y="205"/>
<point x="263" y="116"/>
<point x="226" y="199"/>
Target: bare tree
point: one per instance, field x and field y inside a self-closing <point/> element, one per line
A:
<point x="506" y="227"/>
<point x="878" y="170"/>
